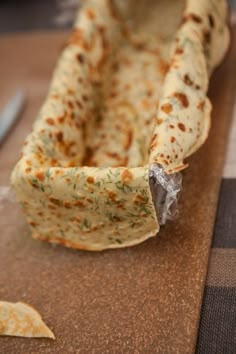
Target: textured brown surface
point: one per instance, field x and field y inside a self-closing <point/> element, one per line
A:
<point x="143" y="299"/>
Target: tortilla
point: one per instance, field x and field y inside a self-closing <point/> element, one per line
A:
<point x="21" y="320"/>
<point x="129" y="92"/>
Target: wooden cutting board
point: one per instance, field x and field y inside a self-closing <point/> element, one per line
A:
<point x="144" y="299"/>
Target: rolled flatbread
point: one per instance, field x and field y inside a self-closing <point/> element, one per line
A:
<point x="129" y="92"/>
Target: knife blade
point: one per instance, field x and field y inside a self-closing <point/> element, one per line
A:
<point x="11" y="113"/>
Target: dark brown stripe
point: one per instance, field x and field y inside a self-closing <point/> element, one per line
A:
<point x="225" y="227"/>
<point x="217" y="331"/>
<point x="222" y="268"/>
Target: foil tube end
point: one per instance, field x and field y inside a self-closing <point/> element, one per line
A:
<point x="165" y="191"/>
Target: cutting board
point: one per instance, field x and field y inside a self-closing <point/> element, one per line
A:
<point x="144" y="299"/>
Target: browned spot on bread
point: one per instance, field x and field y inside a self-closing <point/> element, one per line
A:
<point x="127" y="62"/>
<point x="113" y="94"/>
<point x="211" y="21"/>
<point x="125" y="161"/>
<point x="40" y="213"/>
<point x="150" y="92"/>
<point x="61" y="119"/>
<point x="154" y="137"/>
<point x="101" y="29"/>
<point x="172" y="139"/>
<point x="146" y="104"/>
<point x="70" y="91"/>
<point x="149" y="121"/>
<point x="115" y="66"/>
<point x="50" y="121"/>
<point x="36" y="186"/>
<point x="89" y="45"/>
<point x="114" y="14"/>
<point x="190" y="130"/>
<point x="154" y="145"/>
<point x="39" y="148"/>
<point x="55" y="96"/>
<point x="192" y="17"/>
<point x="179" y="51"/>
<point x="90" y="14"/>
<point x="163" y="67"/>
<point x="67" y="205"/>
<point x="207" y="37"/>
<point x="183" y="99"/>
<point x="70" y="104"/>
<point x="182" y="127"/>
<point x="85" y="98"/>
<point x="89" y="200"/>
<point x="140" y="200"/>
<point x="112" y="195"/>
<point x="78" y="125"/>
<point x="165" y="162"/>
<point x="117" y="218"/>
<point x="171" y="126"/>
<point x="90" y="179"/>
<point x="76" y="219"/>
<point x="159" y="121"/>
<point x="79" y="203"/>
<point x="79" y="104"/>
<point x="59" y="136"/>
<point x="55" y="201"/>
<point x="187" y="80"/>
<point x="77" y="37"/>
<point x="32" y="223"/>
<point x="126" y="176"/>
<point x="127" y="87"/>
<point x="201" y="106"/>
<point x="28" y="162"/>
<point x="40" y="175"/>
<point x="54" y="162"/>
<point x="167" y="108"/>
<point x="28" y="170"/>
<point x="121" y="206"/>
<point x="105" y="44"/>
<point x="129" y="140"/>
<point x="115" y="82"/>
<point x="68" y="179"/>
<point x="80" y="57"/>
<point x="197" y="87"/>
<point x="113" y="155"/>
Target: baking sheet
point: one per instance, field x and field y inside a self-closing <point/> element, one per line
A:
<point x="143" y="299"/>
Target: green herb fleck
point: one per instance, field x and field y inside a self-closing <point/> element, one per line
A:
<point x="118" y="241"/>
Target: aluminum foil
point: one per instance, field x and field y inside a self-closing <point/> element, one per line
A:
<point x="165" y="192"/>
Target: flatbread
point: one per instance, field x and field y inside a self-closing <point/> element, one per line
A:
<point x="129" y="91"/>
<point x="21" y="320"/>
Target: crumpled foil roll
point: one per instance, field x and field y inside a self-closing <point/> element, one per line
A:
<point x="165" y="192"/>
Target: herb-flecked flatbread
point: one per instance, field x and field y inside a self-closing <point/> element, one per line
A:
<point x="21" y="320"/>
<point x="129" y="91"/>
